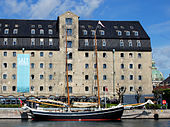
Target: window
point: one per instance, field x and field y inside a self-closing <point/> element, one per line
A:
<point x="138" y="43"/>
<point x="50" y="54"/>
<point x="69" y="21"/>
<point x="70" y="89"/>
<point x="136" y="33"/>
<point x="32" y="26"/>
<point x="102" y="32"/>
<point x="121" y="54"/>
<point x="14" y="54"/>
<point x="122" y="77"/>
<point x="121" y="43"/>
<point x="131" y="88"/>
<point x="86" y="54"/>
<point x="104" y="42"/>
<point x="41" y="41"/>
<point x="119" y="33"/>
<point x="41" y="88"/>
<point x="139" y="66"/>
<point x="50" y="77"/>
<point x="69" y="44"/>
<point x="69" y="32"/>
<point x="32" y="54"/>
<point x="32" y="41"/>
<point x="95" y="88"/>
<point x="95" y="65"/>
<point x="50" y="65"/>
<point x="140" y="88"/>
<point x="39" y="26"/>
<point x="127" y="33"/>
<point x="41" y="65"/>
<point x="131" y="77"/>
<point x="6" y="31"/>
<point x="5" y="65"/>
<point x="130" y="55"/>
<point x="130" y="43"/>
<point x="104" y="77"/>
<point x="50" y="31"/>
<point x="86" y="66"/>
<point x="69" y="67"/>
<point x="95" y="77"/>
<point x="4" y="88"/>
<point x="104" y="66"/>
<point x="122" y="88"/>
<point x="41" y="76"/>
<point x="139" y="55"/>
<point x="32" y="77"/>
<point x="5" y="53"/>
<point x="105" y="88"/>
<point x="86" y="88"/>
<point x="50" y="42"/>
<point x="13" y="65"/>
<point x="122" y="66"/>
<point x="5" y="41"/>
<point x="84" y="32"/>
<point x="86" y="77"/>
<point x="94" y="41"/>
<point x="50" y="88"/>
<point x="86" y="42"/>
<point x="69" y="78"/>
<point x="139" y="77"/>
<point x="41" y="54"/>
<point x="41" y="31"/>
<point x="15" y="31"/>
<point x="92" y="32"/>
<point x="32" y="65"/>
<point x="131" y="66"/>
<point x="32" y="31"/>
<point x="69" y="55"/>
<point x="4" y="76"/>
<point x="32" y="88"/>
<point x="104" y="55"/>
<point x="13" y="88"/>
<point x="14" y="76"/>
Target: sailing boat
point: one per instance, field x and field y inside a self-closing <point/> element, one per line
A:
<point x="109" y="114"/>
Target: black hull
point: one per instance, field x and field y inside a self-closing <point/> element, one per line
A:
<point x="101" y="115"/>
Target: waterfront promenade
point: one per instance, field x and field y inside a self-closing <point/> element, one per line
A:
<point x="18" y="113"/>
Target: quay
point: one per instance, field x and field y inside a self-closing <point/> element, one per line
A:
<point x="18" y="113"/>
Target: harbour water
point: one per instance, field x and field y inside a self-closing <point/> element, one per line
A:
<point x="123" y="123"/>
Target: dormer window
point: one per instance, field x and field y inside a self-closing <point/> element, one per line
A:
<point x="50" y="42"/>
<point x="32" y="31"/>
<point x="6" y="25"/>
<point x="16" y="25"/>
<point x="84" y="32"/>
<point x="115" y="27"/>
<point x="130" y="43"/>
<point x="32" y="41"/>
<point x="41" y="31"/>
<point x="5" y="41"/>
<point x="138" y="43"/>
<point x="50" y="26"/>
<point x="119" y="33"/>
<point x="32" y="26"/>
<point x="6" y="31"/>
<point x="15" y="31"/>
<point x="14" y="41"/>
<point x="102" y="32"/>
<point x="104" y="42"/>
<point x="131" y="27"/>
<point x="39" y="26"/>
<point x="122" y="27"/>
<point x="127" y="33"/>
<point x="136" y="33"/>
<point x="121" y="43"/>
<point x="93" y="32"/>
<point x="50" y="31"/>
<point x="69" y="21"/>
<point x="86" y="42"/>
<point x="41" y="41"/>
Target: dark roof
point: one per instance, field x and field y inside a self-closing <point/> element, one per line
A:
<point x="111" y="28"/>
<point x="25" y="26"/>
<point x="166" y="81"/>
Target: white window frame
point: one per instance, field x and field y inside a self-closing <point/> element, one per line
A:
<point x="121" y="43"/>
<point x="6" y="31"/>
<point x="41" y="41"/>
<point x="14" y="41"/>
<point x="50" y="31"/>
<point x="41" y="31"/>
<point x="130" y="43"/>
<point x="32" y="31"/>
<point x="32" y="41"/>
<point x="138" y="43"/>
<point x="15" y="31"/>
<point x="5" y="41"/>
<point x="86" y="42"/>
<point x="50" y="41"/>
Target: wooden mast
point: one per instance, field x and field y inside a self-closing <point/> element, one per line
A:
<point x="98" y="88"/>
<point x="67" y="73"/>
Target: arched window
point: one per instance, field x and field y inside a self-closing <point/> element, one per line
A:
<point x="86" y="88"/>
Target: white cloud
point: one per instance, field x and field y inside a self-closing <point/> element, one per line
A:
<point x="42" y="9"/>
<point x="161" y="56"/>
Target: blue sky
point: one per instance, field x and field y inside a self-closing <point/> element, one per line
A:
<point x="154" y="16"/>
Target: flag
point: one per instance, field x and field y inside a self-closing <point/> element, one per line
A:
<point x="100" y="23"/>
<point x="20" y="102"/>
<point x="106" y="89"/>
